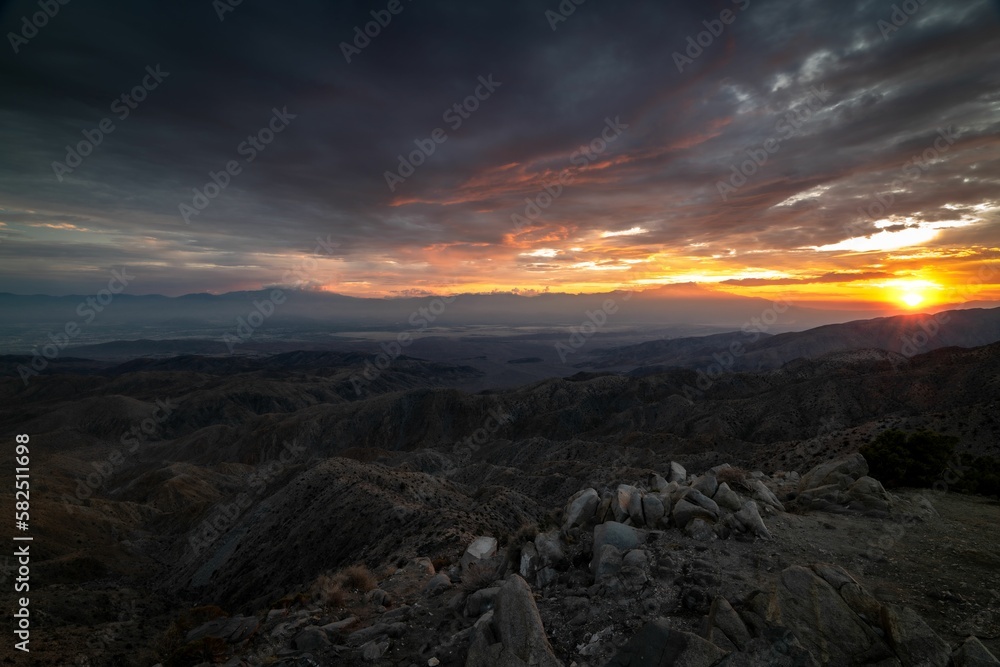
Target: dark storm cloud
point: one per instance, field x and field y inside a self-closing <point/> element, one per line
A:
<point x="324" y="174"/>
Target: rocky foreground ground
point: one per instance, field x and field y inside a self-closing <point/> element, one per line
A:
<point x="724" y="568"/>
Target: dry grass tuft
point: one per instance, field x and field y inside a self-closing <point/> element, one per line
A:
<point x="327" y="591"/>
<point x="483" y="575"/>
<point x="357" y="579"/>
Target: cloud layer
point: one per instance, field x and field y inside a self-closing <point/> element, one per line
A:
<point x="814" y="146"/>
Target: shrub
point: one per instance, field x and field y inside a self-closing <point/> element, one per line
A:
<point x="327" y="591"/>
<point x="483" y="575"/>
<point x="916" y="459"/>
<point x="357" y="578"/>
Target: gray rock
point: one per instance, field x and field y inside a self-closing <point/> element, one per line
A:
<point x="546" y="576"/>
<point x="607" y="562"/>
<point x="636" y="558"/>
<point x="374" y="650"/>
<point x="972" y="653"/>
<point x="677" y="473"/>
<point x="698" y="498"/>
<point x="699" y="529"/>
<point x="777" y="651"/>
<point x="652" y="510"/>
<point x="365" y="635"/>
<point x="657" y="483"/>
<point x="481" y="601"/>
<point x="912" y="639"/>
<point x="749" y="516"/>
<point x="529" y="561"/>
<point x="549" y="548"/>
<point x="581" y="508"/>
<point x="658" y="645"/>
<point x="765" y="495"/>
<point x="808" y="606"/>
<point x="340" y="626"/>
<point x="723" y="618"/>
<point x="311" y="639"/>
<point x="726" y="498"/>
<point x="618" y="535"/>
<point x="850" y="469"/>
<point x="513" y="635"/>
<point x="684" y="512"/>
<point x="708" y="484"/>
<point x="438" y="584"/>
<point x="482" y="548"/>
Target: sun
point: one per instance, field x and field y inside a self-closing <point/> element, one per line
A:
<point x="912" y="299"/>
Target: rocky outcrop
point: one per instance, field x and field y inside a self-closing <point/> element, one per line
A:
<point x="512" y="634"/>
<point x="659" y="645"/>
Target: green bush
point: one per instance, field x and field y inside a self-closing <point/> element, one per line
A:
<point x="982" y="476"/>
<point x="917" y="459"/>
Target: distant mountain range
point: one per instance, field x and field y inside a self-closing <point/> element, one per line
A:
<point x="753" y="349"/>
<point x="674" y="304"/>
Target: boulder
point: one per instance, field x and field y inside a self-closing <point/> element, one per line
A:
<point x="677" y="473"/>
<point x="912" y="639"/>
<point x="842" y="471"/>
<point x="699" y="529"/>
<point x="708" y="484"/>
<point x="652" y="510"/>
<point x="749" y="517"/>
<point x="438" y="584"/>
<point x="607" y="562"/>
<point x="811" y="608"/>
<point x="684" y="512"/>
<point x="481" y="601"/>
<point x="582" y="507"/>
<point x="657" y="483"/>
<point x="772" y="651"/>
<point x="659" y="645"/>
<point x="618" y="535"/>
<point x="726" y="498"/>
<point x="701" y="500"/>
<point x="512" y="634"/>
<point x="972" y="653"/>
<point x="481" y="549"/>
<point x="765" y="495"/>
<point x="549" y="548"/>
<point x="722" y="618"/>
<point x="529" y="561"/>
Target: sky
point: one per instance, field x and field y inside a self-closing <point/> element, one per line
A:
<point x="831" y="150"/>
